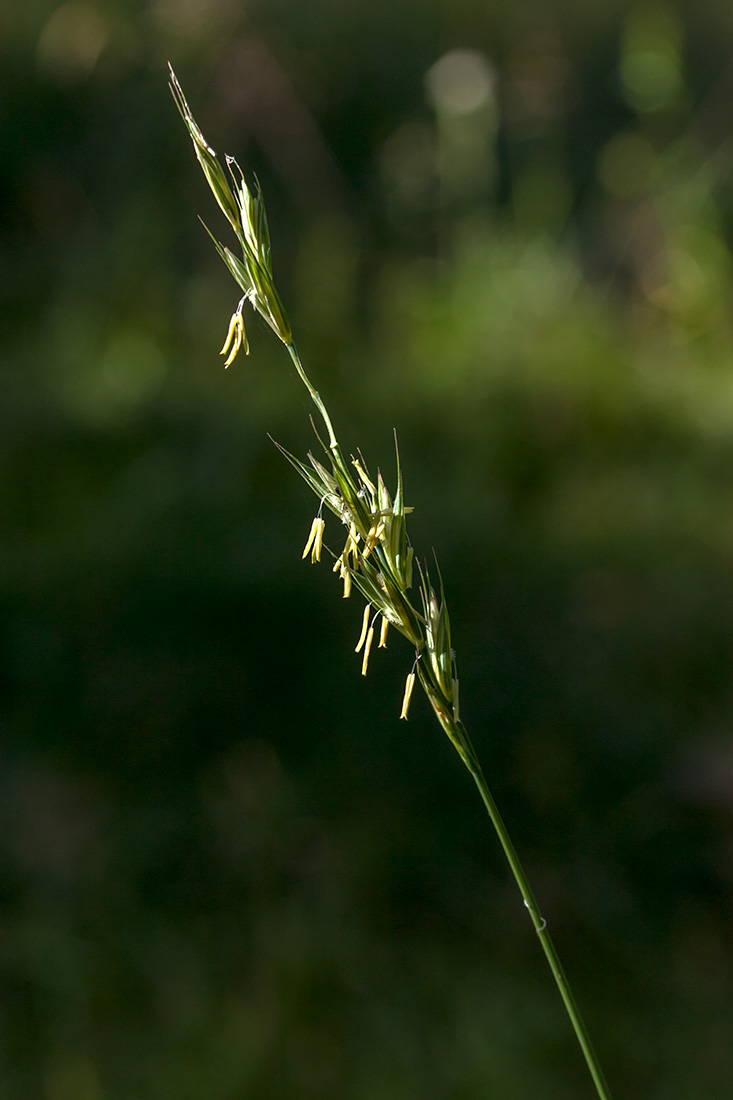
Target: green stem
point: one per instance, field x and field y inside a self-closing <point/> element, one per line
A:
<point x="540" y="924"/>
<point x="457" y="733"/>
<point x="315" y="397"/>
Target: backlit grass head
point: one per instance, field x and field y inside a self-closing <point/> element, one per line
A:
<point x="245" y="212"/>
<point x="376" y="558"/>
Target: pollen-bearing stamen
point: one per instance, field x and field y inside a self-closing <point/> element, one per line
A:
<point x="409" y="687"/>
<point x="318" y="543"/>
<point x="236" y="336"/>
<point x="364" y="628"/>
<point x="375" y="533"/>
<point x="315" y="540"/>
<point x="367" y="650"/>
<point x="347" y="583"/>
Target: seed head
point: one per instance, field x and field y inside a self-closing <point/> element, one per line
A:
<point x="245" y="212"/>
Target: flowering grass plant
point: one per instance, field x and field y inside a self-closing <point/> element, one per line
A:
<point x="377" y="557"/>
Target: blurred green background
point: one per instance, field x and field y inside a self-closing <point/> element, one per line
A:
<point x="228" y="870"/>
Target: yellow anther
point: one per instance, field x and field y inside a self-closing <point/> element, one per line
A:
<point x="311" y="538"/>
<point x="363" y="476"/>
<point x="350" y="549"/>
<point x="383" y="634"/>
<point x="375" y="533"/>
<point x="230" y="334"/>
<point x="347" y="583"/>
<point x="364" y="628"/>
<point x="236" y="345"/>
<point x="315" y="539"/>
<point x="352" y="540"/>
<point x="236" y="338"/>
<point x="409" y="685"/>
<point x="367" y="648"/>
<point x="318" y="541"/>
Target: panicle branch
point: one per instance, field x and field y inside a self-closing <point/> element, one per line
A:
<point x="377" y="557"/>
<point x="245" y="212"/>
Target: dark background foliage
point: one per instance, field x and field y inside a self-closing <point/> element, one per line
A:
<point x="228" y="870"/>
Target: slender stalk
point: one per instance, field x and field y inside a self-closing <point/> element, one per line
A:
<point x="540" y="924"/>
<point x="461" y="742"/>
<point x="315" y="396"/>
<point x="377" y="556"/>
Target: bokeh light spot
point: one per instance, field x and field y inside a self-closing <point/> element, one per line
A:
<point x="650" y="66"/>
<point x="71" y="41"/>
<point x="461" y="82"/>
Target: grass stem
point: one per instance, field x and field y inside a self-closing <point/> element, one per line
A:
<point x="378" y="556"/>
<point x="539" y="922"/>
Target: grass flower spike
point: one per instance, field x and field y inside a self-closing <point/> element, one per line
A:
<point x="377" y="557"/>
<point x="245" y="213"/>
